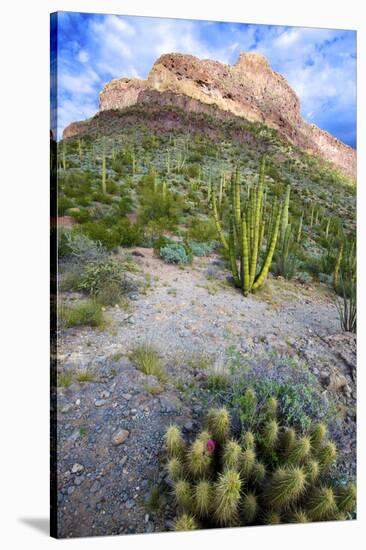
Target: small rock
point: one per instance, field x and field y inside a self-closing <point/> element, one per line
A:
<point x="130" y="504"/>
<point x="336" y="382"/>
<point x="100" y="402"/>
<point x="105" y="394"/>
<point x="77" y="468"/>
<point x="120" y="437"/>
<point x="66" y="408"/>
<point x="126" y="396"/>
<point x="70" y="490"/>
<point x="123" y="461"/>
<point x="188" y="426"/>
<point x="95" y="487"/>
<point x="78" y="480"/>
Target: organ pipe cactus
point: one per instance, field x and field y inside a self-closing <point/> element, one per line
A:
<point x="338" y="266"/>
<point x="64" y="156"/>
<point x="299" y="229"/>
<point x="247" y="225"/>
<point x="268" y="476"/>
<point x="327" y="229"/>
<point x="284" y="221"/>
<point x="104" y="175"/>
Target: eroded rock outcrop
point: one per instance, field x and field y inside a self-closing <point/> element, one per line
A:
<point x="249" y="89"/>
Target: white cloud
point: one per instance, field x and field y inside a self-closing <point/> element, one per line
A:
<point x="83" y="56"/>
<point x="318" y="66"/>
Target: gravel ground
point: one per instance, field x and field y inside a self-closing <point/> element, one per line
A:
<point x="110" y="430"/>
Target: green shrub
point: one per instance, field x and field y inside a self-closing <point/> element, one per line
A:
<point x="193" y="170"/>
<point x="99" y="232"/>
<point x="83" y="313"/>
<point x="125" y="204"/>
<point x="78" y="247"/>
<point x="112" y="187"/>
<point x="160" y="243"/>
<point x="202" y="249"/>
<point x="298" y="392"/>
<point x="106" y="281"/>
<point x="266" y="476"/>
<point x="175" y="253"/>
<point x="129" y="233"/>
<point x="102" y="197"/>
<point x="202" y="230"/>
<point x="82" y="215"/>
<point x="69" y="279"/>
<point x="160" y="206"/>
<point x="63" y="204"/>
<point x="122" y="163"/>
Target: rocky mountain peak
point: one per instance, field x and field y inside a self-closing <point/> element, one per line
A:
<point x="252" y="59"/>
<point x="249" y="89"/>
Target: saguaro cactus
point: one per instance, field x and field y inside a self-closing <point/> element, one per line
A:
<point x="247" y="226"/>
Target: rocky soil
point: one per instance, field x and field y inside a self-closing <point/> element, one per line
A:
<point x="110" y="429"/>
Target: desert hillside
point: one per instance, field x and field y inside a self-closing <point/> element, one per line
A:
<point x="206" y="260"/>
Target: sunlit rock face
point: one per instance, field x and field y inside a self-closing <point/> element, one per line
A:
<point x="249" y="89"/>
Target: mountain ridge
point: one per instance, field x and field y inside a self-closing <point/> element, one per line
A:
<point x="249" y="89"/>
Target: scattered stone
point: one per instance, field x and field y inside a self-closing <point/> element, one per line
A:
<point x="77" y="468"/>
<point x="120" y="437"/>
<point x="105" y="394"/>
<point x="66" y="408"/>
<point x="130" y="504"/>
<point x="78" y="480"/>
<point x="100" y="402"/>
<point x="336" y="382"/>
<point x="126" y="396"/>
<point x="188" y="426"/>
<point x="95" y="487"/>
<point x="168" y="404"/>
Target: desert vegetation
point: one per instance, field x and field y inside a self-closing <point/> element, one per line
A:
<point x="269" y="474"/>
<point x="206" y="317"/>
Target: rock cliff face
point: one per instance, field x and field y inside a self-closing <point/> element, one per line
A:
<point x="249" y="89"/>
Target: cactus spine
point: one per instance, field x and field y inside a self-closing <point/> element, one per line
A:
<point x="227" y="494"/>
<point x="185" y="522"/>
<point x="254" y="479"/>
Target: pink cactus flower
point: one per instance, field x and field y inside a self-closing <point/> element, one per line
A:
<point x="211" y="445"/>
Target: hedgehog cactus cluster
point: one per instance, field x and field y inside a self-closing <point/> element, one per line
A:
<point x="272" y="476"/>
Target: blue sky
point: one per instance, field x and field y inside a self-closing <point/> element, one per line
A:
<point x="320" y="64"/>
